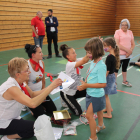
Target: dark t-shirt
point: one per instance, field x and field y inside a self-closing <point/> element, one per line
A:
<point x="111" y="63"/>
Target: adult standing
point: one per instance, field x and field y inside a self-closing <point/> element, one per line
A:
<point x="51" y="30"/>
<point x="13" y="93"/>
<point x="38" y="29"/>
<point x="125" y="41"/>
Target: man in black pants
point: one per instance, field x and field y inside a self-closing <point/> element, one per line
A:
<point x="51" y="30"/>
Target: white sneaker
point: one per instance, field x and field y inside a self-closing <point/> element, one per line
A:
<point x="126" y="83"/>
<point x="24" y="108"/>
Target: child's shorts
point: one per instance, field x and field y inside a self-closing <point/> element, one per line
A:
<point x="98" y="103"/>
<point x="111" y="85"/>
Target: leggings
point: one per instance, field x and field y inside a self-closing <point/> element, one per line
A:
<point x="72" y="102"/>
<point x="23" y="128"/>
<point x="124" y="64"/>
<point x="46" y="107"/>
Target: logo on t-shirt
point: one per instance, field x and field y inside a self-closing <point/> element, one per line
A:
<point x="38" y="78"/>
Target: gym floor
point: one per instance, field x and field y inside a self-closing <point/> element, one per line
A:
<point x="125" y="123"/>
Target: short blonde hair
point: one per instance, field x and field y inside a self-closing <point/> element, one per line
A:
<point x="15" y="65"/>
<point x="95" y="46"/>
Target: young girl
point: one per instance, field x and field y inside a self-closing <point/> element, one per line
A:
<point x="37" y="79"/>
<point x="112" y="63"/>
<point x="73" y="67"/>
<point x="95" y="82"/>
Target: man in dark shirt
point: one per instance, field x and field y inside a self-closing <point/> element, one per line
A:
<point x="51" y="30"/>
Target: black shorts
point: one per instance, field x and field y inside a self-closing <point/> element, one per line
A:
<point x="23" y="128"/>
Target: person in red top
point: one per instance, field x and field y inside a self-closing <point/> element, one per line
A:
<point x="38" y="29"/>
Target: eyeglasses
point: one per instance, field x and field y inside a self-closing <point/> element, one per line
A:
<point x="124" y="25"/>
<point x="35" y="47"/>
<point x="27" y="71"/>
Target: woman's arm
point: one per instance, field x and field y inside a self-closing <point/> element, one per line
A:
<point x="132" y="47"/>
<point x="81" y="62"/>
<point x="122" y="47"/>
<point x="14" y="93"/>
<point x="43" y="79"/>
<point x="132" y="44"/>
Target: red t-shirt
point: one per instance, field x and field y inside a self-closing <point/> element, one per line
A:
<point x="39" y="26"/>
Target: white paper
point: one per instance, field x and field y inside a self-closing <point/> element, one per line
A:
<point x="74" y="123"/>
<point x="57" y="132"/>
<point x="70" y="132"/>
<point x="67" y="81"/>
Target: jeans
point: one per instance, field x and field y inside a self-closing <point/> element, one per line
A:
<point x="39" y="41"/>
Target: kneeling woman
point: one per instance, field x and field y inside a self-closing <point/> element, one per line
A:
<point x="37" y="79"/>
<point x="13" y="93"/>
<point x="72" y="69"/>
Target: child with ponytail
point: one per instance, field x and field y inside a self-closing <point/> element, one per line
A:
<point x="112" y="63"/>
<point x="73" y="67"/>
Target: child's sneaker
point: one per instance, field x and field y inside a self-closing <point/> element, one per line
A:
<point x="24" y="108"/>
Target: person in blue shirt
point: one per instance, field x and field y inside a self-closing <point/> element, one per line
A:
<point x="95" y="83"/>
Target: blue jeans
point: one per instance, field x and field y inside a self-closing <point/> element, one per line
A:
<point x="39" y="41"/>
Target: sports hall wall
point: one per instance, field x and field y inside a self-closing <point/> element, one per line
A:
<point x="77" y="19"/>
<point x="129" y="9"/>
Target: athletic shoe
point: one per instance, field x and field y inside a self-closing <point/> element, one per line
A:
<point x="132" y="64"/>
<point x="24" y="108"/>
<point x="128" y="84"/>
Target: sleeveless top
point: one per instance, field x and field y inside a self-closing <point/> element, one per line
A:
<point x="9" y="109"/>
<point x="34" y="79"/>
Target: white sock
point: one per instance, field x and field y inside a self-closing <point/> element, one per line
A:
<point x="5" y="138"/>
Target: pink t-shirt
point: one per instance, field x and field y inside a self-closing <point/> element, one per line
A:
<point x="125" y="39"/>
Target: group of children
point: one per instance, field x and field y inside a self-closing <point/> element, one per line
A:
<point x="99" y="83"/>
<point x="100" y="80"/>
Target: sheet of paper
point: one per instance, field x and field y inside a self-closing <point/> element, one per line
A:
<point x="67" y="81"/>
<point x="57" y="132"/>
<point x="70" y="132"/>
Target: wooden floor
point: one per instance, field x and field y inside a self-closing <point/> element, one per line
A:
<point x="124" y="125"/>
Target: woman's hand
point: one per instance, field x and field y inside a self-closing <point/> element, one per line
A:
<point x="129" y="51"/>
<point x="57" y="82"/>
<point x="83" y="86"/>
<point x="127" y="55"/>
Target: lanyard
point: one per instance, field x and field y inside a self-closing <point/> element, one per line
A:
<point x="92" y="69"/>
